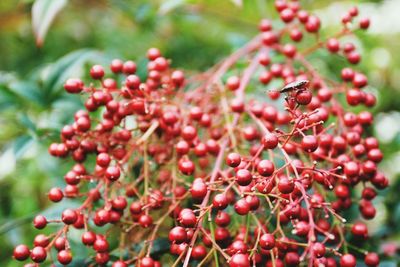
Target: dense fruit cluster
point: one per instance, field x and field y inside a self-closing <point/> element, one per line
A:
<point x="223" y="176"/>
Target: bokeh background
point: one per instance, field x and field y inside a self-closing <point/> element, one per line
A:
<point x="195" y="34"/>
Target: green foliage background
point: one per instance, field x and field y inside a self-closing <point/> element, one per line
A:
<point x="195" y="34"/>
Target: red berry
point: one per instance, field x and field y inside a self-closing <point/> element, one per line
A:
<point x="333" y="45"/>
<point x="239" y="260"/>
<point x="100" y="245"/>
<point x="40" y="222"/>
<point x="64" y="257"/>
<point x="313" y="23"/>
<point x="129" y="67"/>
<point x="199" y="252"/>
<point x="348" y="260"/>
<point x="116" y="65"/>
<point x="112" y="173"/>
<point x="177" y="235"/>
<point x="371" y="259"/>
<point x="359" y="229"/>
<point x="97" y="72"/>
<point x="21" y="252"/>
<point x="265" y="168"/>
<point x="285" y="186"/>
<point x="364" y="23"/>
<point x="220" y="201"/>
<point x="267" y="241"/>
<point x="88" y="238"/>
<point x="270" y="141"/>
<point x="187" y="218"/>
<point x="309" y="143"/>
<point x="198" y="189"/>
<point x="242" y="207"/>
<point x="146" y="262"/>
<point x="145" y="220"/>
<point x="304" y="97"/>
<point x="73" y="86"/>
<point x="153" y="53"/>
<point x="69" y="216"/>
<point x="55" y="194"/>
<point x="119" y="263"/>
<point x="38" y="254"/>
<point x="233" y="160"/>
<point x="233" y="83"/>
<point x="287" y="15"/>
<point x="319" y="249"/>
<point x="243" y="177"/>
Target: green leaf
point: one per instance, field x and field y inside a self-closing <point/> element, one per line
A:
<point x="21" y="145"/>
<point x="27" y="90"/>
<point x="43" y="14"/>
<point x="27" y="122"/>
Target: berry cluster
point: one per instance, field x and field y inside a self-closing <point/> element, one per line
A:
<point x="225" y="177"/>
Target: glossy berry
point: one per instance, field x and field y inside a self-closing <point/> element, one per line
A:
<point x="242" y="207"/>
<point x="309" y="143"/>
<point x="270" y="141"/>
<point x="244" y="177"/>
<point x="73" y="86"/>
<point x="21" y="252"/>
<point x="233" y="83"/>
<point x="267" y="241"/>
<point x="177" y="235"/>
<point x="265" y="168"/>
<point x="40" y="222"/>
<point x="55" y="194"/>
<point x="371" y="259"/>
<point x="38" y="254"/>
<point x="64" y="257"/>
<point x="233" y="160"/>
<point x="348" y="260"/>
<point x="239" y="260"/>
<point x="97" y="72"/>
<point x="69" y="216"/>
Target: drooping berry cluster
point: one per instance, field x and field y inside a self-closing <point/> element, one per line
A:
<point x="233" y="179"/>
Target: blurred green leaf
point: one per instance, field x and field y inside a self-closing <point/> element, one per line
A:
<point x="27" y="90"/>
<point x="43" y="14"/>
<point x="27" y="122"/>
<point x="21" y="145"/>
<point x="169" y="5"/>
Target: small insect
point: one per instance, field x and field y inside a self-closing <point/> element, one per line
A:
<point x="295" y="86"/>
